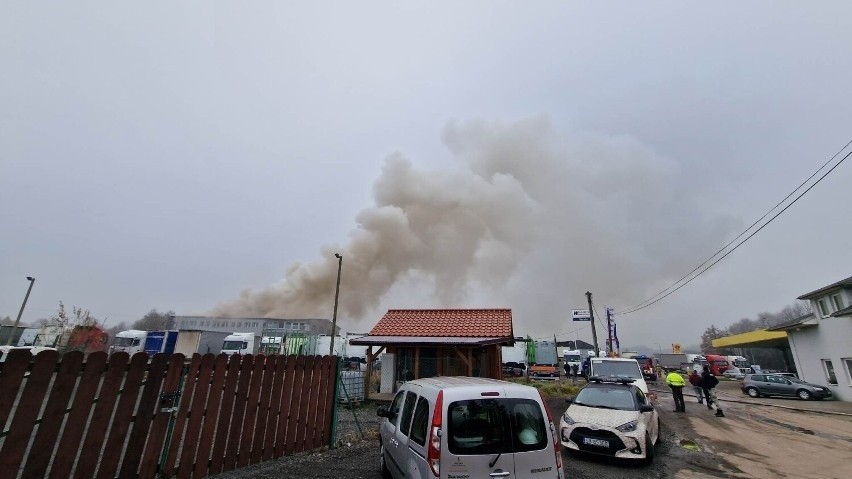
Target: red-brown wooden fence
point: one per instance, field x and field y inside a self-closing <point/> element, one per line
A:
<point x="111" y="417"/>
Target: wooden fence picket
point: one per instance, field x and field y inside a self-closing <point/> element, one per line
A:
<point x="281" y="434"/>
<point x="295" y="404"/>
<point x="15" y="445"/>
<point x="54" y="413"/>
<point x="196" y="416"/>
<point x="160" y="424"/>
<point x="235" y="431"/>
<point x="11" y="379"/>
<point x="211" y="417"/>
<point x="264" y="398"/>
<point x="244" y="456"/>
<point x="225" y="413"/>
<point x="114" y="446"/>
<point x="144" y="416"/>
<point x="75" y="425"/>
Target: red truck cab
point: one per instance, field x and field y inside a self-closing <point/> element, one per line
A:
<point x="718" y="364"/>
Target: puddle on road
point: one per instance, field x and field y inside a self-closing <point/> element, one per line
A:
<point x="786" y="426"/>
<point x="689" y="445"/>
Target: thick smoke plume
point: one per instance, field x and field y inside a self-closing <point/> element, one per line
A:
<point x="530" y="220"/>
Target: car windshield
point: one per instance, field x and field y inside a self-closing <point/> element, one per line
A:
<point x="123" y="342"/>
<point x="606" y="398"/>
<point x="621" y="369"/>
<point x="573" y="358"/>
<point x="232" y="345"/>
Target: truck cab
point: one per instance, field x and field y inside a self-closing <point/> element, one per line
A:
<point x="241" y="343"/>
<point x="130" y="342"/>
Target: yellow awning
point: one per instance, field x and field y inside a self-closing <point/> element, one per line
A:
<point x="753" y="339"/>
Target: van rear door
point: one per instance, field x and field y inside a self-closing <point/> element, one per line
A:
<point x="478" y="439"/>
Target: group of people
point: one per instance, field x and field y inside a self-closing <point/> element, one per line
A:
<point x="704" y="385"/>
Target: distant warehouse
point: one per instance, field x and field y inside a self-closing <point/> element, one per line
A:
<point x="311" y="326"/>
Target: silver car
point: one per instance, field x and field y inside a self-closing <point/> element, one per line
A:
<point x="757" y="385"/>
<point x="463" y="427"/>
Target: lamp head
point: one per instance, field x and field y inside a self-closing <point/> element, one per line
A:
<point x="337" y="255"/>
<point x="30" y="278"/>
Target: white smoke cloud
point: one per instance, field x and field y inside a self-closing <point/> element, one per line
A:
<point x="530" y="220"/>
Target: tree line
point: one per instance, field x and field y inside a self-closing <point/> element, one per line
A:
<point x="768" y="358"/>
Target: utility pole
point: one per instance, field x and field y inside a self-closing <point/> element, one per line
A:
<point x="609" y="333"/>
<point x="592" y="319"/>
<point x="18" y="319"/>
<point x="336" y="294"/>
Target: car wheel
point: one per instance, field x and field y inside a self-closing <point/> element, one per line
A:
<point x="753" y="392"/>
<point x="649" y="449"/>
<point x="804" y="394"/>
<point x="385" y="473"/>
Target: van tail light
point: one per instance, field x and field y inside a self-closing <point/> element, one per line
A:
<point x="433" y="453"/>
<point x="555" y="436"/>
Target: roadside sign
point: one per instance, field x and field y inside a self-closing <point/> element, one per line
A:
<point x="581" y="315"/>
<point x="676" y="348"/>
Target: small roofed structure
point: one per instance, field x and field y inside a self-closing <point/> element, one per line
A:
<point x="422" y="343"/>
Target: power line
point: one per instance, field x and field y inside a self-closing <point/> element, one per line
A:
<point x="643" y="306"/>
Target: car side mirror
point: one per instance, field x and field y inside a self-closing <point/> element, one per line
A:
<point x="383" y="411"/>
<point x="646" y="408"/>
<point x="569" y="400"/>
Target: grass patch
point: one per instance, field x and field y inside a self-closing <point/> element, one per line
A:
<point x="550" y="388"/>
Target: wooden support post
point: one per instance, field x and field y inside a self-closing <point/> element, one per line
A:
<point x="417" y="362"/>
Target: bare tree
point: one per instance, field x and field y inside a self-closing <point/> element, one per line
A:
<point x="709" y="335"/>
<point x="6" y="321"/>
<point x="156" y="321"/>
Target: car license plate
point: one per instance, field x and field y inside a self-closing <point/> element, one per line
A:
<point x="595" y="442"/>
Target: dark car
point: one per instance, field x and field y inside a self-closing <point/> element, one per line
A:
<point x="513" y="369"/>
<point x="757" y="385"/>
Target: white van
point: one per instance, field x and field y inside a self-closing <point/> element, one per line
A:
<point x="462" y="427"/>
<point x="619" y="368"/>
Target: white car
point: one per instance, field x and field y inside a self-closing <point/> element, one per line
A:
<point x="733" y="374"/>
<point x="611" y="418"/>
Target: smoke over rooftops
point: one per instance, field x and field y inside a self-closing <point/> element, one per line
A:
<point x="527" y="218"/>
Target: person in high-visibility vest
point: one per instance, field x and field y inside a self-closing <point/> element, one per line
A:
<point x="676" y="383"/>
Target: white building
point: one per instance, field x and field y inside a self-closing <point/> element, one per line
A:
<point x="821" y="342"/>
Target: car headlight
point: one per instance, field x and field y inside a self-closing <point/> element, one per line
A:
<point x="567" y="419"/>
<point x="628" y="426"/>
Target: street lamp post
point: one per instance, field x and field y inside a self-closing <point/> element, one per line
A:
<point x="661" y="348"/>
<point x="18" y="319"/>
<point x="336" y="295"/>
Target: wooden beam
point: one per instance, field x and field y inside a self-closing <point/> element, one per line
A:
<point x="470" y="361"/>
<point x="417" y="362"/>
<point x="369" y="373"/>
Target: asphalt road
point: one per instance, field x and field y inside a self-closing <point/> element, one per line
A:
<point x="756" y="439"/>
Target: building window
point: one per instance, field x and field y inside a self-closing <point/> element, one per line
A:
<point x="828" y="368"/>
<point x="837" y="301"/>
<point x="848" y="363"/>
<point x="823" y="307"/>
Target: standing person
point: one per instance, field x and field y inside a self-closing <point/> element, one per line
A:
<point x="695" y="380"/>
<point x="708" y="384"/>
<point x="676" y="383"/>
<point x="574" y="369"/>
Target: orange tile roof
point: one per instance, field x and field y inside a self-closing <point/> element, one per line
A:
<point x="473" y="323"/>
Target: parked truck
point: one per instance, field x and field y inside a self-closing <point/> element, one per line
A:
<point x="161" y="342"/>
<point x="546" y="365"/>
<point x="738" y="362"/>
<point x="718" y="364"/>
<point x="241" y="343"/>
<point x="681" y="362"/>
<point x="135" y="341"/>
<point x="190" y="342"/>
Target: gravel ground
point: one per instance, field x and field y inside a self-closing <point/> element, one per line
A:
<point x="353" y="457"/>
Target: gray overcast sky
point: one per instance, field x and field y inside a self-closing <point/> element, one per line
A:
<point x="483" y="154"/>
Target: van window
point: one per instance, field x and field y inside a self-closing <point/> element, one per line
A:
<point x="420" y="423"/>
<point x="396" y="405"/>
<point x="407" y="411"/>
<point x="493" y="426"/>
